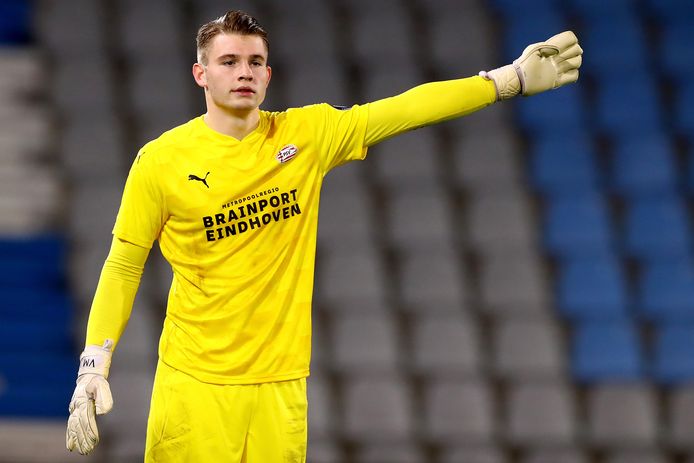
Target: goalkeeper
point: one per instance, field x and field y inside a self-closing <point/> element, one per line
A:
<point x="232" y="198"/>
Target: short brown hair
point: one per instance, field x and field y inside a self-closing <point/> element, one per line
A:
<point x="231" y="22"/>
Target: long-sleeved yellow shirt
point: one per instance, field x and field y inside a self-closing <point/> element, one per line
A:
<point x="237" y="221"/>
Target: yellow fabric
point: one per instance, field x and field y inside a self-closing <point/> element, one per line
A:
<point x="239" y="228"/>
<point x="192" y="421"/>
<point x="427" y="104"/>
<point x="115" y="292"/>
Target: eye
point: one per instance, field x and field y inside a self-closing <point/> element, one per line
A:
<point x="257" y="63"/>
<point x="229" y="63"/>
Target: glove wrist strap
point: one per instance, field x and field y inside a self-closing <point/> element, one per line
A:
<point x="96" y="359"/>
<point x="507" y="80"/>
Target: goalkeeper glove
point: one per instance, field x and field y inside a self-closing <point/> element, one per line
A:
<point x="92" y="397"/>
<point x="542" y="66"/>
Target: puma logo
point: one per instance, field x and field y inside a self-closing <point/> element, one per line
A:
<point x="203" y="180"/>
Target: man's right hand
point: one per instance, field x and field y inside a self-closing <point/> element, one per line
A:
<point x="92" y="397"/>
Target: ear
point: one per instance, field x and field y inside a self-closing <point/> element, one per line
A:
<point x="199" y="75"/>
<point x="269" y="76"/>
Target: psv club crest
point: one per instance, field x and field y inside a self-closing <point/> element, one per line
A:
<point x="287" y="153"/>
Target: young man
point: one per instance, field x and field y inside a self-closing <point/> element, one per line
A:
<point x="232" y="197"/>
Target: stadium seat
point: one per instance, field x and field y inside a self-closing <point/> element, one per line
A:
<point x="539" y="114"/>
<point x="394" y="453"/>
<point x="433" y="279"/>
<point x="684" y="117"/>
<point x="473" y="454"/>
<point x="323" y="451"/>
<point x="377" y="409"/>
<point x="346" y="217"/>
<point x="513" y="283"/>
<point x="680" y="417"/>
<point x="354" y="276"/>
<point x="563" y="162"/>
<point x="523" y="29"/>
<point x="459" y="411"/>
<point x="365" y="342"/>
<point x="592" y="288"/>
<point x="419" y="218"/>
<point x="637" y="456"/>
<point x="657" y="227"/>
<point x="673" y="361"/>
<point x="622" y="416"/>
<point x="23" y="395"/>
<point x="501" y="220"/>
<point x="551" y="455"/>
<point x="527" y="349"/>
<point x="676" y="58"/>
<point x="606" y="351"/>
<point x="321" y="412"/>
<point x="487" y="160"/>
<point x="15" y="22"/>
<point x="616" y="39"/>
<point x="541" y="413"/>
<point x="410" y="160"/>
<point x="667" y="11"/>
<point x="666" y="290"/>
<point x="578" y="225"/>
<point x="617" y="99"/>
<point x="445" y="345"/>
<point x="644" y="164"/>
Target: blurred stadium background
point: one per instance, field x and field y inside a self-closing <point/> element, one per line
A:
<point x="516" y="286"/>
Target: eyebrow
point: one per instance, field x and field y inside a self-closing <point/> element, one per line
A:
<point x="233" y="56"/>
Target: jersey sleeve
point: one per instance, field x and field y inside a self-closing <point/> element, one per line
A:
<point x="142" y="212"/>
<point x="340" y="132"/>
<point x="427" y="104"/>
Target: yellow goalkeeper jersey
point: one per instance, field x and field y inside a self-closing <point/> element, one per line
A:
<point x="237" y="221"/>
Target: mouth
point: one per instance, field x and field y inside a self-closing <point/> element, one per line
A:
<point x="244" y="91"/>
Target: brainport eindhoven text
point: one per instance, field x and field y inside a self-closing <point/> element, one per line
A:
<point x="251" y="215"/>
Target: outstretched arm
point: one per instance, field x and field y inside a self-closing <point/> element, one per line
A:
<point x="111" y="308"/>
<point x="542" y="66"/>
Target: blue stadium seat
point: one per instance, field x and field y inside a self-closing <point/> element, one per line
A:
<point x="617" y="100"/>
<point x="513" y="8"/>
<point x="657" y="226"/>
<point x="15" y="22"/>
<point x="591" y="9"/>
<point x="539" y="114"/>
<point x="671" y="10"/>
<point x="676" y="54"/>
<point x="684" y="111"/>
<point x="24" y="395"/>
<point x="34" y="336"/>
<point x="674" y="354"/>
<point x="577" y="225"/>
<point x="592" y="288"/>
<point x="23" y="304"/>
<point x="32" y="262"/>
<point x="606" y="351"/>
<point x="666" y="290"/>
<point x="616" y="44"/>
<point x="644" y="164"/>
<point x="563" y="162"/>
<point x="524" y="29"/>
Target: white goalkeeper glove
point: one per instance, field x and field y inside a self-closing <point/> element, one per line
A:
<point x="542" y="66"/>
<point x="92" y="397"/>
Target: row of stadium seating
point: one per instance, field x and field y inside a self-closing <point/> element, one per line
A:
<point x="470" y="306"/>
<point x="35" y="308"/>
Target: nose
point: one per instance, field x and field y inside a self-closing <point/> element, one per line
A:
<point x="245" y="72"/>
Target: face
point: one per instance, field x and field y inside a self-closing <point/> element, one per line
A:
<point x="236" y="75"/>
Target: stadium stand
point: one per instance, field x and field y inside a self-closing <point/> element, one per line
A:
<point x="511" y="287"/>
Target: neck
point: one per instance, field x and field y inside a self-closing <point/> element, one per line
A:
<point x="234" y="124"/>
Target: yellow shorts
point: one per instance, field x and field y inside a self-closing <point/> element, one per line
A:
<point x="191" y="421"/>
